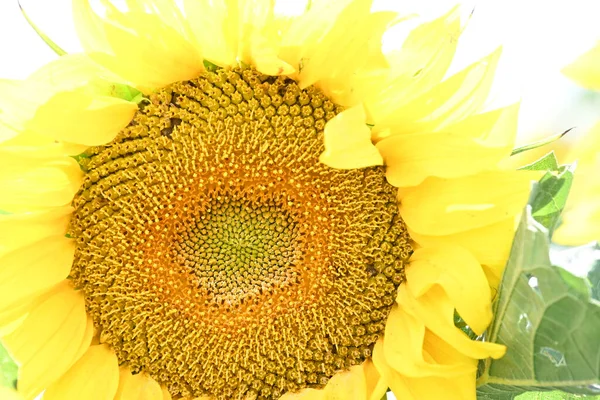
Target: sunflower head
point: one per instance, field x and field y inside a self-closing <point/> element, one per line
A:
<point x="211" y="217"/>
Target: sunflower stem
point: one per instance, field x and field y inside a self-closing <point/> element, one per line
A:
<point x="56" y="48"/>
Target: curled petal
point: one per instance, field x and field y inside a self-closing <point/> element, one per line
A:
<point x="459" y="273"/>
<point x="436" y="311"/>
<point x="490" y="244"/>
<point x="403" y="345"/>
<point x="348" y="141"/>
<point x="460" y="387"/>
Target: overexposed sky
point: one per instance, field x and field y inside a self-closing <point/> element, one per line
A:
<point x="539" y="37"/>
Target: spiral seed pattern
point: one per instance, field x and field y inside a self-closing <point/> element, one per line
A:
<point x="217" y="254"/>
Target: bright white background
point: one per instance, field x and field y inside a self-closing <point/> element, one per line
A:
<point x="539" y="37"/>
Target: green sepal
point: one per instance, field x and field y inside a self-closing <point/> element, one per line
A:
<point x="56" y="48"/>
<point x="8" y="369"/>
<point x="540" y="143"/>
<point x="553" y="191"/>
<point x="210" y="66"/>
<point x="546" y="163"/>
<point x="126" y="92"/>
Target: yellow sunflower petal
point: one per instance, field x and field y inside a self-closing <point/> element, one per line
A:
<point x="47" y="342"/>
<point x="36" y="147"/>
<point x="459" y="273"/>
<point x="403" y="346"/>
<point x="347" y="385"/>
<point x="16" y="311"/>
<point x="376" y="384"/>
<point x="333" y="44"/>
<point x="137" y="387"/>
<point x="136" y="45"/>
<point x="581" y="224"/>
<point x="166" y="394"/>
<point x="95" y="377"/>
<point x="73" y="71"/>
<point x="6" y="133"/>
<point x="87" y="338"/>
<point x="79" y="118"/>
<point x="9" y="394"/>
<point x="305" y="394"/>
<point x="420" y="64"/>
<point x="439" y="351"/>
<point x="169" y="13"/>
<point x="13" y="316"/>
<point x="477" y="143"/>
<point x="585" y="69"/>
<point x="301" y="38"/>
<point x="73" y="103"/>
<point x="585" y="150"/>
<point x="348" y="141"/>
<point x="447" y="103"/>
<point x="20" y="229"/>
<point x="448" y="206"/>
<point x="458" y="387"/>
<point x="490" y="244"/>
<point x="205" y="16"/>
<point x="455" y="388"/>
<point x="10" y="327"/>
<point x="48" y="184"/>
<point x="264" y="57"/>
<point x="257" y="38"/>
<point x="16" y="105"/>
<point x="345" y="74"/>
<point x="436" y="311"/>
<point x="580" y="219"/>
<point x="32" y="269"/>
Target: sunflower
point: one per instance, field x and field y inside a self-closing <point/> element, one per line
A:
<point x="581" y="221"/>
<point x="218" y="201"/>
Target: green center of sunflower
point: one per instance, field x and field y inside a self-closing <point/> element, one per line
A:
<point x="238" y="249"/>
<point x="217" y="254"/>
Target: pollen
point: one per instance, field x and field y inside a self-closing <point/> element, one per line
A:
<point x="217" y="254"/>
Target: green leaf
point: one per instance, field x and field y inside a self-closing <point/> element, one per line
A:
<point x="581" y="261"/>
<point x="554" y="396"/>
<point x="539" y="143"/>
<point x="8" y="369"/>
<point x="544" y="314"/>
<point x="56" y="48"/>
<point x="551" y="197"/>
<point x="546" y="163"/>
